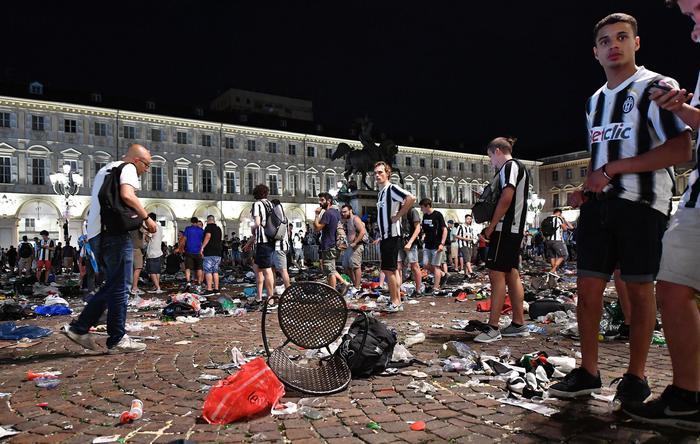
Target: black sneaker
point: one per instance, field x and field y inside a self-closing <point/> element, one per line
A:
<point x="577" y="383"/>
<point x="676" y="408"/>
<point x="254" y="305"/>
<point x="630" y="389"/>
<point x="623" y="332"/>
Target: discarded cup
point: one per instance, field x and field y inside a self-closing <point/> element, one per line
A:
<point x="134" y="413"/>
<point x="48" y="383"/>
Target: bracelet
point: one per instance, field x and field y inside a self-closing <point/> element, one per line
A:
<point x="605" y="173"/>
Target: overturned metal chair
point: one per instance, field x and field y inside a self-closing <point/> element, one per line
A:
<point x="311" y="315"/>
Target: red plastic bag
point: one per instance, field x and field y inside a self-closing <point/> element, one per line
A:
<point x="251" y="390"/>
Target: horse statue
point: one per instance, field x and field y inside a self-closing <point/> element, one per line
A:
<point x="362" y="161"/>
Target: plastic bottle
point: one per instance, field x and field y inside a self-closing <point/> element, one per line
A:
<point x="48" y="383"/>
<point x="134" y="413"/>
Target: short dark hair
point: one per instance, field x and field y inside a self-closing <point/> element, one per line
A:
<point x="348" y="206"/>
<point x="24" y="238"/>
<point x="425" y="202"/>
<point x="326" y="196"/>
<point x="261" y="191"/>
<point x="152" y="216"/>
<point x="193" y="220"/>
<point x="211" y="216"/>
<point x="617" y="17"/>
<point x="468" y="215"/>
<point x="450" y="221"/>
<point x="503" y="143"/>
<point x="556" y="210"/>
<point x="44" y="233"/>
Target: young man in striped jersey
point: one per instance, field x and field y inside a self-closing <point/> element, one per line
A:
<point x="554" y="247"/>
<point x="466" y="237"/>
<point x="633" y="144"/>
<point x="264" y="249"/>
<point x="505" y="235"/>
<point x="677" y="281"/>
<point x="393" y="202"/>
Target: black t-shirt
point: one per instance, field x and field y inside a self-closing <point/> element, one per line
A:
<point x="213" y="247"/>
<point x="433" y="224"/>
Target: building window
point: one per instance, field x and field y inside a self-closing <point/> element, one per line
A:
<point x="36" y="88"/>
<point x="206" y="140"/>
<point x="5" y="120"/>
<point x="461" y="166"/>
<point x="70" y="125"/>
<point x="251" y="145"/>
<point x="100" y="129"/>
<point x="555" y="200"/>
<point x="472" y="168"/>
<point x="329" y="153"/>
<point x="98" y="166"/>
<point x="230" y="143"/>
<point x="73" y="165"/>
<point x="251" y="180"/>
<point x="584" y="171"/>
<point x="272" y="147"/>
<point x="448" y="165"/>
<point x="30" y="224"/>
<point x="156" y="134"/>
<point x="421" y="162"/>
<point x="292" y="184"/>
<point x="37" y="123"/>
<point x="292" y="150"/>
<point x="555" y="176"/>
<point x="38" y="171"/>
<point x="569" y="173"/>
<point x="207" y="183"/>
<point x="436" y="163"/>
<point x="182" y="179"/>
<point x="5" y="170"/>
<point x="273" y="184"/>
<point x="486" y="168"/>
<point x="407" y="161"/>
<point x="231" y="182"/>
<point x="129" y="132"/>
<point x="310" y="151"/>
<point x="182" y="137"/>
<point x="156" y="173"/>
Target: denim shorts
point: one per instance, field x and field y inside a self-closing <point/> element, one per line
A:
<point x="211" y="264"/>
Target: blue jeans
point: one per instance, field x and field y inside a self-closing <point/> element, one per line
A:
<point x="115" y="255"/>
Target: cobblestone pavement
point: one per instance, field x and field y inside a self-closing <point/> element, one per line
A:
<point x="94" y="389"/>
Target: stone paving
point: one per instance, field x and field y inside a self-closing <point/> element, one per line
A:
<point x="96" y="388"/>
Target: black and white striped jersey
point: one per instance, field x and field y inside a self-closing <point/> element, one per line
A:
<point x="558" y="229"/>
<point x="691" y="196"/>
<point x="467" y="231"/>
<point x="622" y="123"/>
<point x="260" y="209"/>
<point x="514" y="174"/>
<point x="389" y="202"/>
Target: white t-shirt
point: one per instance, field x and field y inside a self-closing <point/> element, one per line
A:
<point x="153" y="250"/>
<point x="128" y="176"/>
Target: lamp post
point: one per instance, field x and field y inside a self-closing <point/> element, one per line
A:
<point x="535" y="204"/>
<point x="66" y="183"/>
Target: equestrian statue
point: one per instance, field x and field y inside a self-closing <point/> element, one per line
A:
<point x="362" y="160"/>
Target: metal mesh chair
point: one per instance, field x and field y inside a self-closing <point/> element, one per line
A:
<point x="311" y="315"/>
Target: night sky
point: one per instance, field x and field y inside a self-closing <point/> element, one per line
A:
<point x="459" y="72"/>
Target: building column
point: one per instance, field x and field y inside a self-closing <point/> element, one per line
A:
<point x="9" y="231"/>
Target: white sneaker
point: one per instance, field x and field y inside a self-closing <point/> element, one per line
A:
<point x="85" y="341"/>
<point x="127" y="345"/>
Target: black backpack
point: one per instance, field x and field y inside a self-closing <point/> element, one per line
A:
<point x="117" y="217"/>
<point x="374" y="357"/>
<point x="25" y="250"/>
<point x="275" y="222"/>
<point x="483" y="209"/>
<point x="548" y="226"/>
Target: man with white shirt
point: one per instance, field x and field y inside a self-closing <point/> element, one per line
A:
<point x="114" y="251"/>
<point x="154" y="255"/>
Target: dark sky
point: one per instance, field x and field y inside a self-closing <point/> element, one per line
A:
<point x="455" y="71"/>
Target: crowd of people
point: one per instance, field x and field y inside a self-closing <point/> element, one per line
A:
<point x="639" y="126"/>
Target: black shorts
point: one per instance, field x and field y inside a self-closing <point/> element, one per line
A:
<point x="389" y="250"/>
<point x="153" y="265"/>
<point x="554" y="249"/>
<point x="193" y="261"/>
<point x="612" y="231"/>
<point x="263" y="255"/>
<point x="504" y="251"/>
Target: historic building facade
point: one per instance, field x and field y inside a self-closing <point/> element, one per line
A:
<point x="198" y="168"/>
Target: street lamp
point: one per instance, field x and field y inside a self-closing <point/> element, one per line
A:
<point x="66" y="184"/>
<point x="535" y="205"/>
